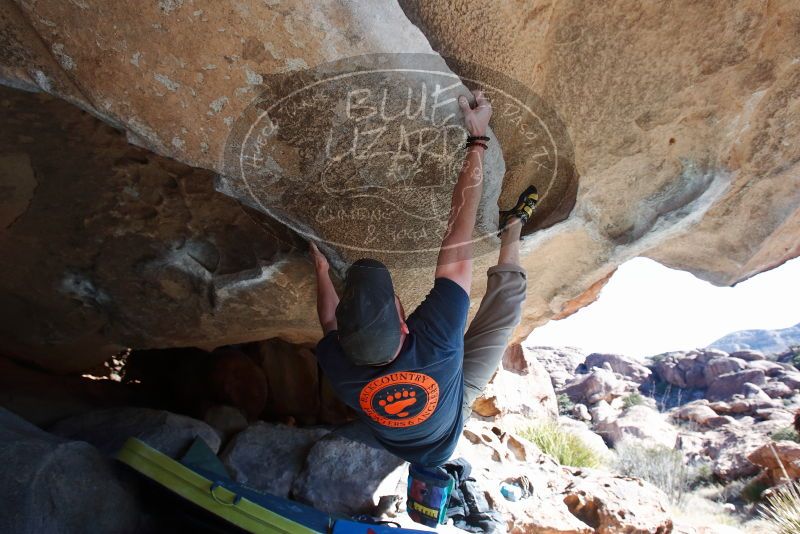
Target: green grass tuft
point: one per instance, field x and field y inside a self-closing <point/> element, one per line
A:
<point x="634" y="399"/>
<point x="565" y="447"/>
<point x="795" y="351"/>
<point x="786" y="434"/>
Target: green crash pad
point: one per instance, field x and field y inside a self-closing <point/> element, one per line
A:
<point x="204" y="485"/>
<point x="201" y="479"/>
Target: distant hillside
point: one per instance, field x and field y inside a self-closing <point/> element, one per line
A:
<point x="767" y="341"/>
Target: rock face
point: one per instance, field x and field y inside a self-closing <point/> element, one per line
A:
<point x="192" y="256"/>
<point x="561" y="363"/>
<point x="599" y="384"/>
<point x="666" y="121"/>
<point x="639" y="423"/>
<point x="521" y="387"/>
<point x="615" y="504"/>
<point x="108" y="430"/>
<point x="729" y="384"/>
<point x="627" y="367"/>
<point x="748" y="382"/>
<point x="559" y="499"/>
<point x="348" y="477"/>
<point x="697" y="413"/>
<point x="692" y="124"/>
<point x="780" y="460"/>
<point x="269" y="457"/>
<point x="51" y="484"/>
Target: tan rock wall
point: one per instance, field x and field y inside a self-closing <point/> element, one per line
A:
<point x="680" y="118"/>
<point x="683" y="116"/>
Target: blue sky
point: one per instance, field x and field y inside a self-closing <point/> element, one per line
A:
<point x="648" y="309"/>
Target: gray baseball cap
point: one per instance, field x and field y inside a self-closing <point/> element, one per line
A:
<point x="367" y="318"/>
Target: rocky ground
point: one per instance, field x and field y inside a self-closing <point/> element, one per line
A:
<point x="727" y="417"/>
<point x="706" y="415"/>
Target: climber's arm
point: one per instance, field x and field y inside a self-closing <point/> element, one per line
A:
<point x="455" y="255"/>
<point x="327" y="299"/>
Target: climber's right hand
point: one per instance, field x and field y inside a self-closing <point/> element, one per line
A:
<point x="477" y="113"/>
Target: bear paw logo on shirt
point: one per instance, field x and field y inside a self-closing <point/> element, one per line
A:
<point x="400" y="399"/>
<point x="395" y="403"/>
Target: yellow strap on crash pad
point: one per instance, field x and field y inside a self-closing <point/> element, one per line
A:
<point x="196" y="488"/>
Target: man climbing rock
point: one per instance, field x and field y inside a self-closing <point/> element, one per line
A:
<point x="413" y="379"/>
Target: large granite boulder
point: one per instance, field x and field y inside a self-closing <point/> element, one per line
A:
<point x="52" y="484"/>
<point x="748" y="355"/>
<point x="612" y="504"/>
<point x="599" y="384"/>
<point x="780" y="461"/>
<point x="344" y="476"/>
<point x="771" y="369"/>
<point x="683" y="369"/>
<point x="696" y="412"/>
<point x="720" y="366"/>
<point x="625" y="366"/>
<point x="109" y="429"/>
<point x="561" y="363"/>
<point x="638" y="423"/>
<point x="730" y="451"/>
<point x="790" y="379"/>
<point x="269" y="457"/>
<point x="520" y="387"/>
<point x="729" y="384"/>
<point x="778" y="390"/>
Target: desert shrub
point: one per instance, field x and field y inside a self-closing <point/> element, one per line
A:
<point x="565" y="447"/>
<point x="634" y="399"/>
<point x="795" y="356"/>
<point x="661" y="466"/>
<point x="565" y="404"/>
<point x="752" y="490"/>
<point x="782" y="509"/>
<point x="702" y="475"/>
<point x="786" y="434"/>
<point x="731" y="492"/>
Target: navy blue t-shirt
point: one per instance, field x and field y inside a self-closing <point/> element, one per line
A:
<point x="413" y="404"/>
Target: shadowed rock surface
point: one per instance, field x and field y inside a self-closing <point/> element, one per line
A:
<point x="169" y="433"/>
<point x="60" y="485"/>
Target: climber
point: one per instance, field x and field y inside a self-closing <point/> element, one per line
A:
<point x="412" y="380"/>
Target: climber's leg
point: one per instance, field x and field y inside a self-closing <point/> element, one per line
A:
<point x="499" y="313"/>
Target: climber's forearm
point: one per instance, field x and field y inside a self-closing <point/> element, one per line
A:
<point x="327" y="300"/>
<point x="455" y="256"/>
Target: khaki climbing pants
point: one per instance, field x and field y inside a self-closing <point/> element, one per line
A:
<point x="490" y="330"/>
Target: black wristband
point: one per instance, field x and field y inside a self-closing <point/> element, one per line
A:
<point x="476" y="143"/>
<point x="477" y="138"/>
